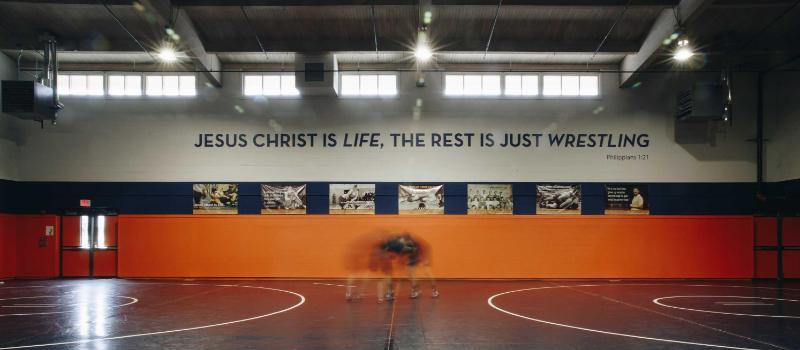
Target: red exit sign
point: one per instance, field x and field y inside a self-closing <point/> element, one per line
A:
<point x="85" y="203"/>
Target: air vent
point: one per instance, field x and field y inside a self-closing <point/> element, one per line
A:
<point x="704" y="102"/>
<point x="316" y="74"/>
<point x="18" y="96"/>
<point x="28" y="100"/>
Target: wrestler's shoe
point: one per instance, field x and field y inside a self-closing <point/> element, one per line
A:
<point x="389" y="297"/>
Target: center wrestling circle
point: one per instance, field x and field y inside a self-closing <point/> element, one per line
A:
<point x="300" y="297"/>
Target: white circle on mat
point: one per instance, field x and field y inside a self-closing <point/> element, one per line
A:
<point x="659" y="301"/>
<point x="15" y="307"/>
<point x="491" y="299"/>
<point x="301" y="298"/>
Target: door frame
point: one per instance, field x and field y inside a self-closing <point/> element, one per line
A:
<point x="91" y="211"/>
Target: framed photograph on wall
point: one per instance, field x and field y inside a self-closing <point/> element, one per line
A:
<point x="627" y="199"/>
<point x="562" y="199"/>
<point x="352" y="199"/>
<point x="283" y="199"/>
<point x="215" y="198"/>
<point x="489" y="199"/>
<point x="421" y="199"/>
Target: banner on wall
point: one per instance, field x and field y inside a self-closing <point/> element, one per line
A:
<point x="558" y="199"/>
<point x="489" y="199"/>
<point x="283" y="199"/>
<point x="415" y="199"/>
<point x="352" y="199"/>
<point x="215" y="198"/>
<point x="627" y="199"/>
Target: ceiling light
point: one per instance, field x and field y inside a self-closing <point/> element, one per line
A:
<point x="138" y="6"/>
<point x="423" y="52"/>
<point x="683" y="51"/>
<point x="167" y="54"/>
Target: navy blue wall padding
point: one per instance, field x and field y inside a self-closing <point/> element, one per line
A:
<point x="318" y="198"/>
<point x="702" y="198"/>
<point x="176" y="197"/>
<point x="7" y="196"/>
<point x="792" y="188"/>
<point x="249" y="198"/>
<point x="524" y="194"/>
<point x="386" y="198"/>
<point x="455" y="198"/>
<point x="127" y="197"/>
<point x="593" y="201"/>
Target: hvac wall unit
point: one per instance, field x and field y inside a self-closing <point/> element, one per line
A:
<point x="28" y="100"/>
<point x="316" y="74"/>
<point x="704" y="102"/>
<point x="696" y="109"/>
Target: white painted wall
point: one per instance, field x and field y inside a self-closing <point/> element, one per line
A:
<point x="149" y="139"/>
<point x="782" y="126"/>
<point x="9" y="151"/>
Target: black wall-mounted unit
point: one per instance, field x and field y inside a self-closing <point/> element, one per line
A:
<point x="28" y="100"/>
<point x="704" y="102"/>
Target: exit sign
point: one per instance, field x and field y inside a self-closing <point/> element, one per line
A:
<point x="85" y="203"/>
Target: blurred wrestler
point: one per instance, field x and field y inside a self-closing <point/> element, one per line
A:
<point x="415" y="254"/>
<point x="383" y="250"/>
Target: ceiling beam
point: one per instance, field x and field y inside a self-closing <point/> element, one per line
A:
<point x="366" y="43"/>
<point x="190" y="42"/>
<point x="76" y="2"/>
<point x="664" y="26"/>
<point x="751" y="3"/>
<point x="595" y="3"/>
<point x="246" y="44"/>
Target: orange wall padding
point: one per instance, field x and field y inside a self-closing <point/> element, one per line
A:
<point x="33" y="260"/>
<point x="8" y="246"/>
<point x="462" y="246"/>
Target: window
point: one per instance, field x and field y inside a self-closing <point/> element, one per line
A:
<point x="270" y="85"/>
<point x="387" y="85"/>
<point x="125" y="85"/>
<point x="491" y="85"/>
<point x="80" y="85"/>
<point x="551" y="85"/>
<point x="84" y="232"/>
<point x="350" y="84"/>
<point x="570" y="85"/>
<point x="288" y="86"/>
<point x="590" y="85"/>
<point x="101" y="232"/>
<point x="93" y="232"/>
<point x="170" y="85"/>
<point x="522" y="85"/>
<point x="453" y="85"/>
<point x="472" y="85"/>
<point x="187" y="86"/>
<point x="368" y="84"/>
